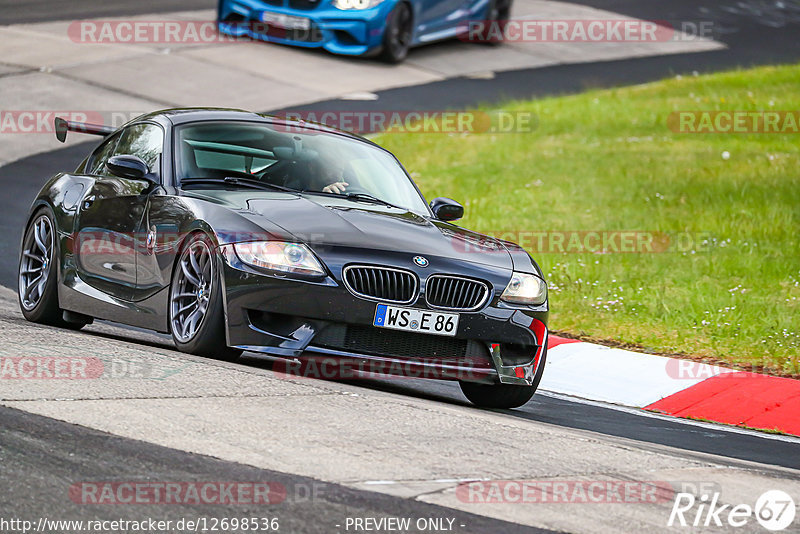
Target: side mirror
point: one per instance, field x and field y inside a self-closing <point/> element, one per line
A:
<point x="131" y="167"/>
<point x="446" y="209"/>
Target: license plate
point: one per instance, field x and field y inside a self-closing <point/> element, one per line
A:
<point x="287" y="22"/>
<point x="413" y="320"/>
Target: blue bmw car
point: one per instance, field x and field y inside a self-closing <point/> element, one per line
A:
<point x="356" y="27"/>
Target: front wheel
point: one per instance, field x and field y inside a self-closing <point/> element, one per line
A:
<point x="38" y="273"/>
<point x="196" y="316"/>
<point x="497" y="15"/>
<point x="503" y="395"/>
<point x="397" y="36"/>
<point x="497" y="395"/>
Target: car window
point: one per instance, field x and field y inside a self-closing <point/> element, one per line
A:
<point x="210" y="159"/>
<point x="97" y="163"/>
<point x="300" y="158"/>
<point x="145" y="141"/>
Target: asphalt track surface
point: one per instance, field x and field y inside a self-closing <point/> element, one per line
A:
<point x="39" y="475"/>
<point x="28" y="441"/>
<point x="25" y="11"/>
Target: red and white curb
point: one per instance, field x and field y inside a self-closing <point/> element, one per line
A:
<point x="672" y="386"/>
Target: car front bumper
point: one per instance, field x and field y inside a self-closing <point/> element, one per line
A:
<point x="350" y="32"/>
<point x="288" y="317"/>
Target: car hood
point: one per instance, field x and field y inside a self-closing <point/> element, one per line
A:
<point x="340" y="222"/>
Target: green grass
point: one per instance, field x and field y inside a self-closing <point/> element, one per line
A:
<point x="606" y="160"/>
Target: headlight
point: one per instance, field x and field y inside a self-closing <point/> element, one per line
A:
<point x="279" y="256"/>
<point x="525" y="289"/>
<point x="356" y="4"/>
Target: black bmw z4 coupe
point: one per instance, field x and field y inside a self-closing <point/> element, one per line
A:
<point x="234" y="231"/>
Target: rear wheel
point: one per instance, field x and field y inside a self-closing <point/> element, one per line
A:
<point x="397" y="36"/>
<point x="38" y="273"/>
<point x="196" y="317"/>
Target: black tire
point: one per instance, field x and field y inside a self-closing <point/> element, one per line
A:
<point x="397" y="37"/>
<point x="208" y="338"/>
<point x="44" y="308"/>
<point x="502" y="395"/>
<point x="497" y="14"/>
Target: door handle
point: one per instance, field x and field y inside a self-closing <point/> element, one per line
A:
<point x="88" y="201"/>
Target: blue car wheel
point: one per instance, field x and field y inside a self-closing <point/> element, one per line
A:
<point x="397" y="36"/>
<point x="497" y="15"/>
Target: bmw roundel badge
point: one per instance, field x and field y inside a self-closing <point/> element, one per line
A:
<point x="420" y="261"/>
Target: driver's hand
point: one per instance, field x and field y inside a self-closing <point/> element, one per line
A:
<point x="338" y="188"/>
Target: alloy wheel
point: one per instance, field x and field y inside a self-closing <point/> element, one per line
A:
<point x="37" y="256"/>
<point x="191" y="290"/>
<point x="400" y="32"/>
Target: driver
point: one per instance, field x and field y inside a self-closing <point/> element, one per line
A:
<point x="331" y="172"/>
<point x="325" y="174"/>
<point x="335" y="187"/>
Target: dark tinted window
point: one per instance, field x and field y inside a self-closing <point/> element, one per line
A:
<point x="97" y="163"/>
<point x="297" y="157"/>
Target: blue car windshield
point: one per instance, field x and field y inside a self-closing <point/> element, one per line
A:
<point x="217" y="154"/>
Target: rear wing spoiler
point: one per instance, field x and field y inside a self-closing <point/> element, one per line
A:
<point x="64" y="126"/>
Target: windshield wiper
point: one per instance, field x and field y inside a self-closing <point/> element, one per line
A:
<point x="259" y="183"/>
<point x="358" y="197"/>
<point x="365" y="197"/>
<point x="245" y="182"/>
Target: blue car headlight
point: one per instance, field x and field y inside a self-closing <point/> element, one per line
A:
<point x="278" y="256"/>
<point x="356" y="4"/>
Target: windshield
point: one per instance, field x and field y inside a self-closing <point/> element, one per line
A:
<point x="226" y="154"/>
